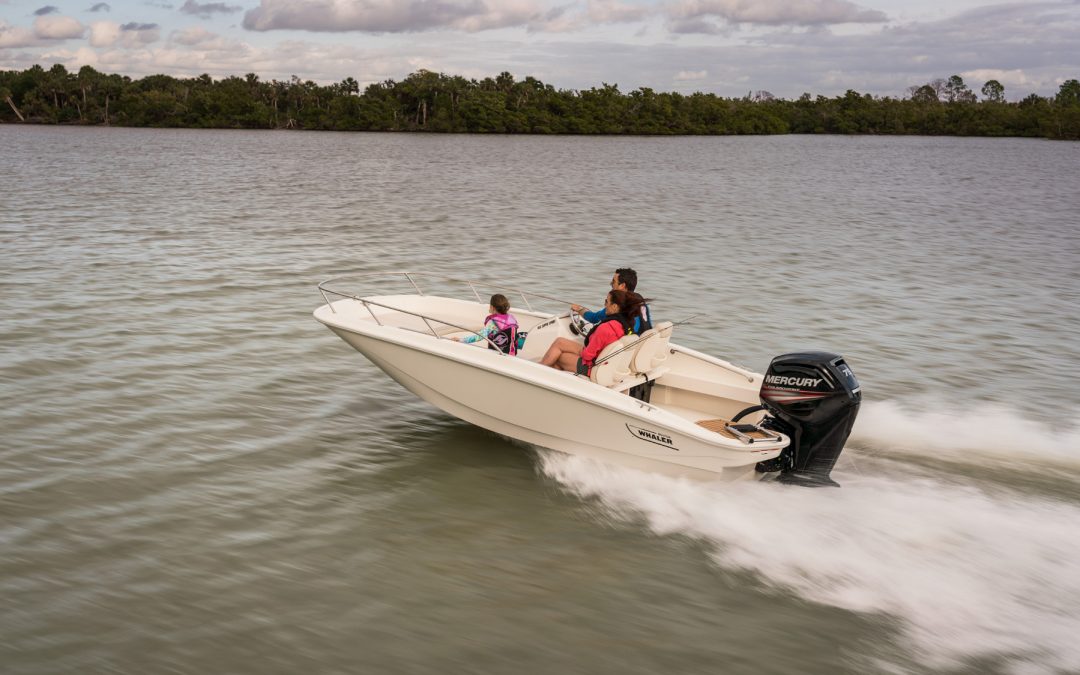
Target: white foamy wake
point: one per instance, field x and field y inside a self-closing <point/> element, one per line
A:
<point x="974" y="433"/>
<point x="966" y="572"/>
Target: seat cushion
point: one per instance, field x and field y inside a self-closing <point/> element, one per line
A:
<point x="610" y="370"/>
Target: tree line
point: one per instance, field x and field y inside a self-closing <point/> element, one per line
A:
<point x="435" y="102"/>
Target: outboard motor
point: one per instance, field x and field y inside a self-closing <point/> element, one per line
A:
<point x="813" y="398"/>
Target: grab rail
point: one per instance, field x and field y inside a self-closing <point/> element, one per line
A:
<point x="324" y="289"/>
<point x="426" y="319"/>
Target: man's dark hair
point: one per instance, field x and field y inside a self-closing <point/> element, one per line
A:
<point x="627" y="276"/>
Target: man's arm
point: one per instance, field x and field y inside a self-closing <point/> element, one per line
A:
<point x="594" y="317"/>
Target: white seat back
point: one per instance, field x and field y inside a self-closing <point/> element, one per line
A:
<point x="653" y="349"/>
<point x="617" y="368"/>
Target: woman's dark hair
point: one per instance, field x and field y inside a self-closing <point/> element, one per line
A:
<point x="629" y="302"/>
<point x="501" y="304"/>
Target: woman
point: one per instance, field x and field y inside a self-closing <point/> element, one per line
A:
<point x="566" y="354"/>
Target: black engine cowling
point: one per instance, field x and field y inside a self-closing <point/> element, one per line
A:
<point x="813" y="398"/>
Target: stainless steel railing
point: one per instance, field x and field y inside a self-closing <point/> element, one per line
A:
<point x="411" y="277"/>
<point x="325" y="290"/>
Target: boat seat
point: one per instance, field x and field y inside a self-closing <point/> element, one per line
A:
<point x="637" y="378"/>
<point x="614" y="370"/>
<point x="652" y="350"/>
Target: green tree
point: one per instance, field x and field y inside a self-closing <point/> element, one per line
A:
<point x="484" y="112"/>
<point x="435" y="102"/>
<point x="925" y="94"/>
<point x="85" y="101"/>
<point x="5" y="95"/>
<point x="993" y="91"/>
<point x="111" y="87"/>
<point x="957" y="92"/>
<point x="1068" y="94"/>
<point x="349" y="86"/>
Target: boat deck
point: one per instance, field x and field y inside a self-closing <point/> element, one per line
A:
<point x="720" y="427"/>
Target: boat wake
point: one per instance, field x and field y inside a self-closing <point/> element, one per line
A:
<point x="988" y="432"/>
<point x="970" y="570"/>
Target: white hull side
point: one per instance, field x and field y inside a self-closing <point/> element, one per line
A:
<point x="556" y="410"/>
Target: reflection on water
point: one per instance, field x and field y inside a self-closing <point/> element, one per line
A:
<point x="195" y="476"/>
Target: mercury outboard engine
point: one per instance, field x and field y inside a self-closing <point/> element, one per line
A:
<point x="813" y="398"/>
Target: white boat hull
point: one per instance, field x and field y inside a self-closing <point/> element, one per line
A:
<point x="521" y="399"/>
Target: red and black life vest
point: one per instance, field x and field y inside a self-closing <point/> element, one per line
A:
<point x="627" y="326"/>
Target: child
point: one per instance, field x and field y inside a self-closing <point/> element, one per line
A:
<point x="500" y="327"/>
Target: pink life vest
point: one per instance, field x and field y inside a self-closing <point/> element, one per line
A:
<point x="505" y="338"/>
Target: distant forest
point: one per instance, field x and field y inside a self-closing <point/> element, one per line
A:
<point x="434" y="102"/>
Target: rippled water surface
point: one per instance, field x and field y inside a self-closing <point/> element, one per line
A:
<point x="196" y="477"/>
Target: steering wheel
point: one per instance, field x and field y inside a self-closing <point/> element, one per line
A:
<point x="578" y="325"/>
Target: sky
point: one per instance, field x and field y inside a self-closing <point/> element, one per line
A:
<point x="725" y="47"/>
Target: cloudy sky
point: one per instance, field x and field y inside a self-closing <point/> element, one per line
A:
<point x="728" y="47"/>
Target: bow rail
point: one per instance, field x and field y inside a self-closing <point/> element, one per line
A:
<point x="326" y="290"/>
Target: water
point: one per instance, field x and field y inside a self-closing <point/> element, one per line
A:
<point x="197" y="477"/>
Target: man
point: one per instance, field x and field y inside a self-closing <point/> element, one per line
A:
<point x="624" y="279"/>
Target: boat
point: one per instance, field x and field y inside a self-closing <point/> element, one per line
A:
<point x="649" y="403"/>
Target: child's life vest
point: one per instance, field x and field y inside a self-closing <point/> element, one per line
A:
<point x="504" y="337"/>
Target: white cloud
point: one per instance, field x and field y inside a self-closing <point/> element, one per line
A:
<point x="16" y="36"/>
<point x="1014" y="81"/>
<point x="104" y="33"/>
<point x="53" y="27"/>
<point x="136" y="35"/>
<point x="511" y="13"/>
<point x="199" y="39"/>
<point x="332" y="63"/>
<point x="206" y="9"/>
<point x="192" y="36"/>
<point x="128" y="35"/>
<point x="402" y="16"/>
<point x="613" y="11"/>
<point x="392" y="16"/>
<point x="776" y="12"/>
<point x="696" y="25"/>
<point x="687" y="75"/>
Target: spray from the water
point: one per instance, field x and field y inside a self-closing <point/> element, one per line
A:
<point x="969" y="572"/>
<point x="985" y="432"/>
